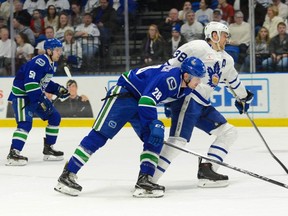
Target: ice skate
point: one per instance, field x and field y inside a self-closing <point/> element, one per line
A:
<point x="52" y="155"/>
<point x="15" y="159"/>
<point x="145" y="188"/>
<point x="67" y="184"/>
<point x="208" y="178"/>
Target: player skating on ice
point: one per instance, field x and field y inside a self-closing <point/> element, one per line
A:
<point x="195" y="110"/>
<point x="31" y="82"/>
<point x="133" y="99"/>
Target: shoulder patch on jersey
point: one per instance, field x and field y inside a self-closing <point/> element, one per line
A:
<point x="40" y="62"/>
<point x="172" y="84"/>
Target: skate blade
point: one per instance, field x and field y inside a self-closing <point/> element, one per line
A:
<point x="206" y="183"/>
<point x="142" y="193"/>
<point x="66" y="190"/>
<point x="11" y="162"/>
<point x="52" y="158"/>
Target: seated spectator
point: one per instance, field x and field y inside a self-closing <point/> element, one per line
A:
<point x="175" y="41"/>
<point x="90" y="5"/>
<point x="217" y="16"/>
<point x="19" y="11"/>
<point x="76" y="14"/>
<point x="282" y="8"/>
<point x="88" y="35"/>
<point x="7" y="51"/>
<point x="192" y="29"/>
<point x="5" y="11"/>
<point x="240" y="36"/>
<point x="104" y="16"/>
<point x="262" y="41"/>
<point x="272" y="20"/>
<point x="60" y="5"/>
<point x="24" y="50"/>
<point x="187" y="6"/>
<point x="205" y="14"/>
<point x="37" y="26"/>
<point x="31" y="5"/>
<point x="72" y="51"/>
<point x="75" y="106"/>
<point x="63" y="25"/>
<point x="227" y="11"/>
<point x="279" y="51"/>
<point x="170" y="21"/>
<point x="153" y="46"/>
<point x="52" y="17"/>
<point x="18" y="24"/>
<point x="49" y="33"/>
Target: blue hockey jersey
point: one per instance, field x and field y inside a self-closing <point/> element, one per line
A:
<point x="33" y="78"/>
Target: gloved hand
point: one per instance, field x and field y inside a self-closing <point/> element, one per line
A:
<point x="63" y="93"/>
<point x="243" y="104"/>
<point x="157" y="129"/>
<point x="167" y="110"/>
<point x="43" y="105"/>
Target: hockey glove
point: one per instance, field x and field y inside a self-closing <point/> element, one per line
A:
<point x="62" y="92"/>
<point x="157" y="129"/>
<point x="167" y="110"/>
<point x="243" y="104"/>
<point x="43" y="105"/>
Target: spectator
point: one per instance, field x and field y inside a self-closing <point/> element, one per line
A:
<point x="272" y="20"/>
<point x="205" y="14"/>
<point x="170" y="21"/>
<point x="60" y="5"/>
<point x="175" y="41"/>
<point x="63" y="25"/>
<point x="282" y="8"/>
<point x="217" y="16"/>
<point x="88" y="34"/>
<point x="37" y="26"/>
<point x="31" y="5"/>
<point x="279" y="51"/>
<point x="52" y="17"/>
<point x="153" y="46"/>
<point x="7" y="51"/>
<point x="24" y="50"/>
<point x="76" y="14"/>
<point x="192" y="29"/>
<point x="5" y="10"/>
<point x="227" y="11"/>
<point x="262" y="41"/>
<point x="240" y="37"/>
<point x="19" y="11"/>
<point x="104" y="16"/>
<point x="18" y="24"/>
<point x="49" y="34"/>
<point x="187" y="6"/>
<point x="90" y="5"/>
<point x="74" y="106"/>
<point x="72" y="51"/>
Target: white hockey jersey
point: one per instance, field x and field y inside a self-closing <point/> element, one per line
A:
<point x="219" y="69"/>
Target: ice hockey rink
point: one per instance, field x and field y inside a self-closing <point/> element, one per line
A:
<point x="109" y="177"/>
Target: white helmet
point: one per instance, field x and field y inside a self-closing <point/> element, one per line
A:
<point x="215" y="27"/>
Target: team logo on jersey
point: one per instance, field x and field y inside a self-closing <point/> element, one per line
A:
<point x="214" y="74"/>
<point x="40" y="62"/>
<point x="112" y="124"/>
<point x="172" y="83"/>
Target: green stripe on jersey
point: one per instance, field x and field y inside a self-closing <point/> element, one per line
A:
<point x="79" y="154"/>
<point x="146" y="101"/>
<point x="149" y="156"/>
<point x="32" y="86"/>
<point x="17" y="91"/>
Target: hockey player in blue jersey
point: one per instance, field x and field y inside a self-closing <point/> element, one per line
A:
<point x="134" y="99"/>
<point x="31" y="82"/>
<point x="195" y="110"/>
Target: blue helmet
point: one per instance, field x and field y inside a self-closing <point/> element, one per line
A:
<point x="52" y="44"/>
<point x="193" y="66"/>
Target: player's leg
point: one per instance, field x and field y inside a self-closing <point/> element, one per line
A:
<point x="212" y="122"/>
<point x="185" y="113"/>
<point x="24" y="125"/>
<point x="111" y="118"/>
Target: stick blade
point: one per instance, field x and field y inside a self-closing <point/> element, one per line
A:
<point x="68" y="73"/>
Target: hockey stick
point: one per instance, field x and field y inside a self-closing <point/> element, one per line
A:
<point x="68" y="74"/>
<point x="259" y="133"/>
<point x="229" y="166"/>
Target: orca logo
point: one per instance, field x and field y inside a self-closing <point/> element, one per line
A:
<point x="112" y="124"/>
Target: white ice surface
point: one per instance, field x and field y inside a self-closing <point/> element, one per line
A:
<point x="108" y="178"/>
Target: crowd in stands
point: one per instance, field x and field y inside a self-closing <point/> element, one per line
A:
<point x="87" y="29"/>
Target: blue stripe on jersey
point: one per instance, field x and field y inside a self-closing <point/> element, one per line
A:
<point x="236" y="86"/>
<point x="216" y="156"/>
<point x="164" y="159"/>
<point x="219" y="148"/>
<point x="161" y="169"/>
<point x="200" y="97"/>
<point x="231" y="82"/>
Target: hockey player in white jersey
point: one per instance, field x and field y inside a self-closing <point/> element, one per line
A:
<point x="195" y="110"/>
